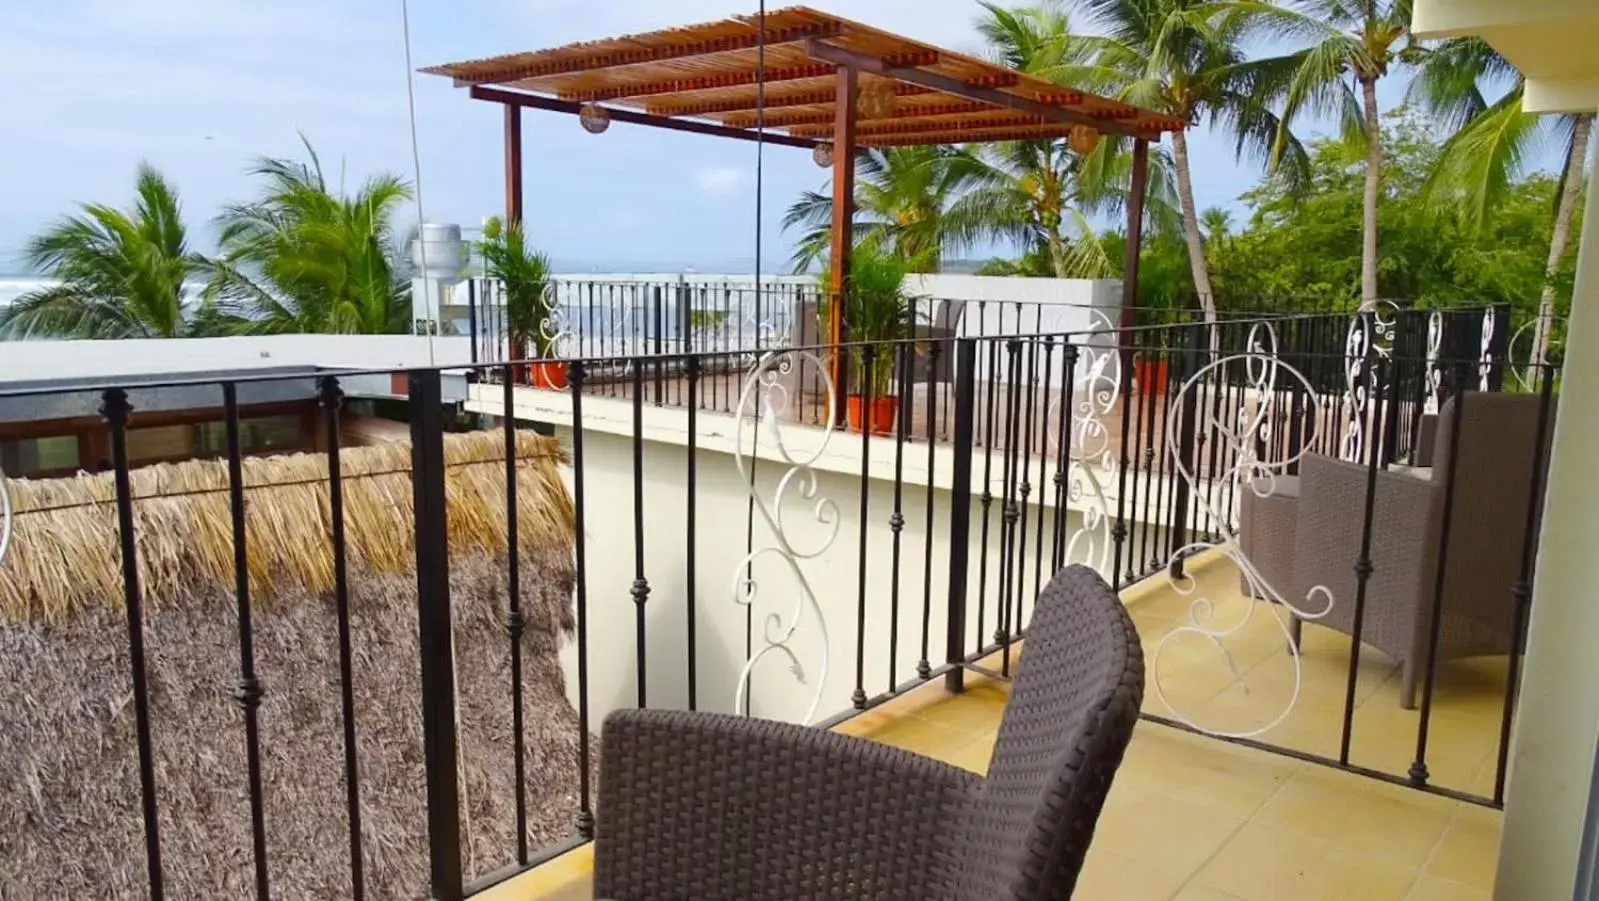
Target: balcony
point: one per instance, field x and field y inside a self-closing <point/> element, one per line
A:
<point x="1192" y="818"/>
<point x="748" y="560"/>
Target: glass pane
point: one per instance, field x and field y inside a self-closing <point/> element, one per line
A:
<point x="163" y="442"/>
<point x="26" y="456"/>
<point x="270" y="433"/>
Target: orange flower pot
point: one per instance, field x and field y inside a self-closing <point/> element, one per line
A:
<point x="1151" y="376"/>
<point x="885" y="413"/>
<point x="549" y="374"/>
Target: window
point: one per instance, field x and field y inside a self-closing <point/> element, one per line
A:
<point x="260" y="435"/>
<point x="28" y="456"/>
<point x="161" y="442"/>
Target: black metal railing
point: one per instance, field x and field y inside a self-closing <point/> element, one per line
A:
<point x="1130" y="450"/>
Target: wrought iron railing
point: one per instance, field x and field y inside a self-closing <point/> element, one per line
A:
<point x="863" y="561"/>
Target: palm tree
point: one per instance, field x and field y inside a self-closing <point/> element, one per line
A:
<point x="1490" y="143"/>
<point x="1185" y="58"/>
<point x="305" y="259"/>
<point x="121" y="273"/>
<point x="1217" y="225"/>
<point x="908" y="199"/>
<point x="1353" y="45"/>
<point x="1040" y="193"/>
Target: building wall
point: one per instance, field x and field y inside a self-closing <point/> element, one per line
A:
<point x="720" y="541"/>
<point x="37" y="360"/>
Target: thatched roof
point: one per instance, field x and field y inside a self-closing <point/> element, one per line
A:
<point x="65" y="551"/>
<point x="70" y="821"/>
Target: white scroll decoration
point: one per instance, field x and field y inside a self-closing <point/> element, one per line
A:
<point x="764" y="399"/>
<point x="1249" y="472"/>
<point x="1485" y="360"/>
<point x="1359" y="380"/>
<point x="1096" y="390"/>
<point x="1527" y="370"/>
<point x="1435" y="371"/>
<point x="556" y="329"/>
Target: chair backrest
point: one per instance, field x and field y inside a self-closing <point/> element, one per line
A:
<point x="1072" y="708"/>
<point x="1492" y="463"/>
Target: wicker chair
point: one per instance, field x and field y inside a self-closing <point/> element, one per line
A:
<point x="1493" y="474"/>
<point x="720" y="808"/>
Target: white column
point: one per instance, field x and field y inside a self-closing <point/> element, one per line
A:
<point x="1557" y="724"/>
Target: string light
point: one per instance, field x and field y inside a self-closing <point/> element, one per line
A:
<point x="595" y="119"/>
<point x="822" y="155"/>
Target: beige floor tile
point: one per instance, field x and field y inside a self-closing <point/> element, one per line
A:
<point x="1176" y="764"/>
<point x="1265" y="862"/>
<point x="1360" y="814"/>
<point x="1201" y="893"/>
<point x="1469" y="852"/>
<point x="1110" y="877"/>
<point x="1143" y="824"/>
<point x="1431" y="888"/>
<point x="923" y="737"/>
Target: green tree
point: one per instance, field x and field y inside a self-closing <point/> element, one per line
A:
<point x="303" y="258"/>
<point x="1353" y="45"/>
<point x="1041" y="193"/>
<point x="121" y="273"/>
<point x="524" y="276"/>
<point x="1481" y="163"/>
<point x="907" y="199"/>
<point x="1186" y="58"/>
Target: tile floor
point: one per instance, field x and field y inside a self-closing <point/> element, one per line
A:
<point x="1194" y="819"/>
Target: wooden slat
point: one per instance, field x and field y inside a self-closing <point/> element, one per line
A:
<point x="518" y="66"/>
<point x="985" y="120"/>
<point x="825" y="116"/>
<point x="742" y="101"/>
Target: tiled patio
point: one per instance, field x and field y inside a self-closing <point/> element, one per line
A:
<point x="1191" y="818"/>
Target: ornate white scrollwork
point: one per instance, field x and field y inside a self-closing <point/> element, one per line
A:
<point x="1359" y="380"/>
<point x="555" y="331"/>
<point x="1485" y="359"/>
<point x="5" y="517"/>
<point x="1243" y="431"/>
<point x="1096" y="391"/>
<point x="1526" y="370"/>
<point x="765" y="398"/>
<point x="1435" y="371"/>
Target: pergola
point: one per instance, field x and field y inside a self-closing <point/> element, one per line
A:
<point x="806" y="79"/>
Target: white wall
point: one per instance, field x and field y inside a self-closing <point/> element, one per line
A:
<point x="1552" y="758"/>
<point x="32" y="360"/>
<point x="720" y="542"/>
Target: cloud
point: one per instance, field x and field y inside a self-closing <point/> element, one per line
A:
<point x="721" y="181"/>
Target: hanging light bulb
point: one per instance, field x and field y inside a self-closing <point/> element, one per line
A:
<point x="1083" y="139"/>
<point x="595" y="119"/>
<point x="822" y="155"/>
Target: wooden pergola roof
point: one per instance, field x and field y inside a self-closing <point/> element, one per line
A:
<point x="705" y="78"/>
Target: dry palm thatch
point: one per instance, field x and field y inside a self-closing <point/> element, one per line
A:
<point x="69" y="787"/>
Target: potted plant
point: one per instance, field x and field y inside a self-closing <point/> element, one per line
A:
<point x="876" y="309"/>
<point x="524" y="277"/>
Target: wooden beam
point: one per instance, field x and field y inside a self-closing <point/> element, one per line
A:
<point x="533" y="101"/>
<point x="840" y="56"/>
<point x="1135" y="236"/>
<point x="513" y="164"/>
<point x="735" y="77"/>
<point x="921" y="126"/>
<point x="637" y="55"/>
<point x="817" y="97"/>
<point x="843" y="242"/>
<point x="730" y="78"/>
<point x="789" y="119"/>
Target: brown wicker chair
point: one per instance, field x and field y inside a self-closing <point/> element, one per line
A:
<point x="1493" y="476"/>
<point x="720" y="808"/>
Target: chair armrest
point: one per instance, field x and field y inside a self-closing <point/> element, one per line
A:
<point x="709" y="806"/>
<point x="1329" y="523"/>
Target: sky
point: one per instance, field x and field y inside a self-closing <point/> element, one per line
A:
<point x="199" y="88"/>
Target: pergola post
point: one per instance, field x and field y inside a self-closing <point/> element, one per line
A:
<point x="1135" y="234"/>
<point x="513" y="163"/>
<point x="843" y="222"/>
